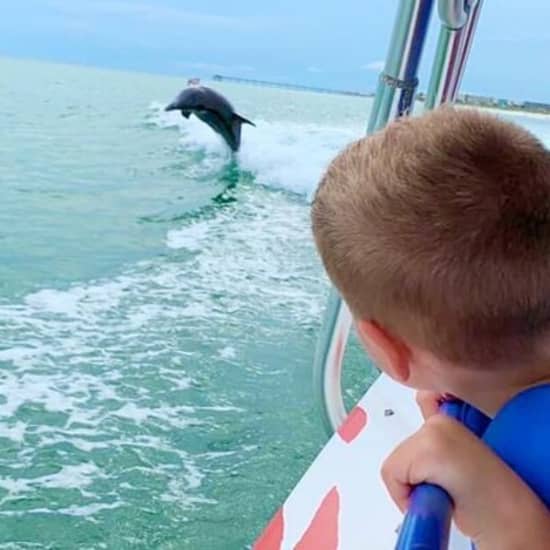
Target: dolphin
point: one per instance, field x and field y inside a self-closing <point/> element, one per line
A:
<point x="213" y="109"/>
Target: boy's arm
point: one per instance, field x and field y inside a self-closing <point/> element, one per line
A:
<point x="492" y="505"/>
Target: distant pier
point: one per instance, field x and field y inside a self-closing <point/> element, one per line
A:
<point x="463" y="99"/>
<point x="299" y="87"/>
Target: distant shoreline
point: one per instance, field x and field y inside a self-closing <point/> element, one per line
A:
<point x="467" y="100"/>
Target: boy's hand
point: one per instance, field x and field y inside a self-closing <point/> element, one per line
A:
<point x="429" y="402"/>
<point x="492" y="505"/>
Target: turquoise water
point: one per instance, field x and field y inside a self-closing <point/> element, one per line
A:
<point x="156" y="344"/>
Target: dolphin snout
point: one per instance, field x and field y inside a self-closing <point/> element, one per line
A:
<point x="175" y="106"/>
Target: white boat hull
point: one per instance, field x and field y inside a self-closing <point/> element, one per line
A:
<point x="341" y="502"/>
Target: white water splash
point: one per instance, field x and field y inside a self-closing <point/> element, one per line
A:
<point x="285" y="155"/>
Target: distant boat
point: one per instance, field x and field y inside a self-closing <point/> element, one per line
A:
<point x="194" y="82"/>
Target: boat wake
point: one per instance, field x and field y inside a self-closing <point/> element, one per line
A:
<point x="282" y="154"/>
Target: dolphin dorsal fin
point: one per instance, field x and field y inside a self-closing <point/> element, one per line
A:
<point x="242" y="120"/>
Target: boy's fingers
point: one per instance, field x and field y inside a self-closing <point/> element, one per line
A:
<point x="429" y="402"/>
<point x="395" y="474"/>
<point x="412" y="462"/>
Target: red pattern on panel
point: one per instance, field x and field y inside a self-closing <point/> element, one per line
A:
<point x="353" y="425"/>
<point x="322" y="533"/>
<point x="272" y="537"/>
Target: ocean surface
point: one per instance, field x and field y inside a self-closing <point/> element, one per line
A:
<point x="160" y="302"/>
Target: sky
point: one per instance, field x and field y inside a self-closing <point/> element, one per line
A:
<point x="337" y="44"/>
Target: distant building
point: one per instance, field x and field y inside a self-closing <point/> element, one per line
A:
<point x="482" y="101"/>
<point x="194" y="82"/>
<point x="536" y="106"/>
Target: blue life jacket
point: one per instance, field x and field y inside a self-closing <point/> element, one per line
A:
<point x="520" y="435"/>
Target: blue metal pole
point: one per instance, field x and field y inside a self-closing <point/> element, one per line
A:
<point x="428" y="520"/>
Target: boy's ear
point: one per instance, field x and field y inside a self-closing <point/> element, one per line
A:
<point x="389" y="353"/>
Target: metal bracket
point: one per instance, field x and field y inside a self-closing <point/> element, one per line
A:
<point x="454" y="13"/>
<point x="398" y="83"/>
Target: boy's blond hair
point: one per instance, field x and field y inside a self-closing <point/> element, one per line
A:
<point x="438" y="228"/>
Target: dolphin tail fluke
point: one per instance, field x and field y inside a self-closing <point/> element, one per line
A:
<point x="243" y="120"/>
<point x="235" y="142"/>
<point x="236" y="124"/>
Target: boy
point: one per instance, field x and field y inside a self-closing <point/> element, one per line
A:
<point x="436" y="231"/>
